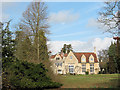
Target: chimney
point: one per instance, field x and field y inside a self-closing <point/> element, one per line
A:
<point x="95" y="50"/>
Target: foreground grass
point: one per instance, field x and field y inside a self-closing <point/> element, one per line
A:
<point x="90" y="81"/>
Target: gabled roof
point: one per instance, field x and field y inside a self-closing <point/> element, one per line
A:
<point x="53" y="56"/>
<point x="87" y="55"/>
<point x="79" y="55"/>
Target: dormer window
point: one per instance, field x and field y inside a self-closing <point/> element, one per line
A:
<point x="57" y="58"/>
<point x="70" y="57"/>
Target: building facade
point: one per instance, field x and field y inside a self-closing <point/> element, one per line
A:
<point x="75" y="63"/>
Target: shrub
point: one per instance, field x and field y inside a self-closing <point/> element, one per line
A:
<point x="86" y="72"/>
<point x="100" y="72"/>
<point x="28" y="75"/>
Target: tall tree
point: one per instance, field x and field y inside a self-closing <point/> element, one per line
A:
<point x="34" y="25"/>
<point x="109" y="16"/>
<point x="23" y="46"/>
<point x="112" y="60"/>
<point x="7" y="52"/>
<point x="7" y="44"/>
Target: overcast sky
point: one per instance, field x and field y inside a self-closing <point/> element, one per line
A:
<point x="70" y="23"/>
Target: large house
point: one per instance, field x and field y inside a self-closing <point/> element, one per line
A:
<point x="75" y="63"/>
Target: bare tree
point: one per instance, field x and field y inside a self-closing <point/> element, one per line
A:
<point x="109" y="16"/>
<point x="34" y="22"/>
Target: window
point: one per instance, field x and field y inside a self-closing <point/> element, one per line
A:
<point x="58" y="64"/>
<point x="91" y="67"/>
<point x="83" y="59"/>
<point x="91" y="59"/>
<point x="83" y="67"/>
<point x="59" y="71"/>
<point x="57" y="58"/>
<point x="70" y="57"/>
<point x="71" y="69"/>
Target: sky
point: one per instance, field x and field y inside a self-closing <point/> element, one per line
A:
<point x="72" y="23"/>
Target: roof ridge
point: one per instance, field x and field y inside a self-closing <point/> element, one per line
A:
<point x="83" y="52"/>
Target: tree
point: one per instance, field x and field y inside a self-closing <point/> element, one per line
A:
<point x="26" y="75"/>
<point x="23" y="46"/>
<point x="113" y="65"/>
<point x="7" y="52"/>
<point x="103" y="60"/>
<point x="34" y="22"/>
<point x="109" y="16"/>
<point x="66" y="48"/>
<point x="7" y="45"/>
<point x="34" y="26"/>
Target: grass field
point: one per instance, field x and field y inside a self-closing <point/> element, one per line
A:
<point x="90" y="81"/>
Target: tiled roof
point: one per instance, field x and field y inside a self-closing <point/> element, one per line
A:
<point x="65" y="55"/>
<point x="87" y="55"/>
<point x="53" y="56"/>
<point x="79" y="55"/>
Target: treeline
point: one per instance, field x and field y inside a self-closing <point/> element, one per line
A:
<point x="110" y="59"/>
<point x="25" y="57"/>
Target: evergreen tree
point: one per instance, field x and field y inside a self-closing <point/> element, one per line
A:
<point x="43" y="46"/>
<point x="7" y="53"/>
<point x="7" y="45"/>
<point x="112" y="58"/>
<point x="66" y="48"/>
<point x="23" y="46"/>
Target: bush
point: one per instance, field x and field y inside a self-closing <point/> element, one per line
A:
<point x="86" y="72"/>
<point x="28" y="75"/>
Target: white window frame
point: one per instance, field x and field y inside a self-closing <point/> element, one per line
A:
<point x="83" y="67"/>
<point x="71" y="69"/>
<point x="91" y="68"/>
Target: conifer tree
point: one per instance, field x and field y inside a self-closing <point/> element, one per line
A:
<point x="7" y="45"/>
<point x="66" y="48"/>
<point x="7" y="53"/>
<point x="112" y="58"/>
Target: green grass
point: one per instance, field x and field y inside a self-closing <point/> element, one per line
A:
<point x="90" y="81"/>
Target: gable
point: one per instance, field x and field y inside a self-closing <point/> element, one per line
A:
<point x="54" y="56"/>
<point x="58" y="56"/>
<point x="71" y="58"/>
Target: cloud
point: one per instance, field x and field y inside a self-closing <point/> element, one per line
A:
<point x="63" y="17"/>
<point x="102" y="44"/>
<point x="80" y="46"/>
<point x="92" y="22"/>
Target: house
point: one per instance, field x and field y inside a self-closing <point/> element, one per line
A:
<point x="75" y="63"/>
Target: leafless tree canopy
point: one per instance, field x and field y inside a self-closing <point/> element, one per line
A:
<point x="35" y="18"/>
<point x="109" y="16"/>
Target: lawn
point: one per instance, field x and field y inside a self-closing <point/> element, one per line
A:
<point x="90" y="81"/>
